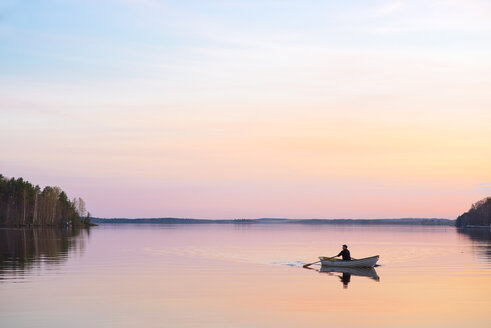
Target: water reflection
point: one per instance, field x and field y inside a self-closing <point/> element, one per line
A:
<point x="346" y="273"/>
<point x="24" y="249"/>
<point x="482" y="239"/>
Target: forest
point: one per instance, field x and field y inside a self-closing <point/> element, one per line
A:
<point x="23" y="204"/>
<point x="478" y="215"/>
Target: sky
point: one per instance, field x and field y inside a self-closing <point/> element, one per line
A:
<point x="249" y="109"/>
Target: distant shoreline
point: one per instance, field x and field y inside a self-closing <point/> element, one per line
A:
<point x="400" y="221"/>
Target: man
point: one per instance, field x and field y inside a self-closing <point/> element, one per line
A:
<point x="345" y="254"/>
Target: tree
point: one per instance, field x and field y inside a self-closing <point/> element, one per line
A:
<point x="37" y="191"/>
<point x="81" y="207"/>
<point x="478" y="215"/>
<point x="21" y="203"/>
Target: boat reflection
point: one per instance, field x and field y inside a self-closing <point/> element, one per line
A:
<point x="346" y="273"/>
<point x="26" y="249"/>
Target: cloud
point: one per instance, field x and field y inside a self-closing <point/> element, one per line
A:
<point x="387" y="9"/>
<point x="484" y="188"/>
<point x="398" y="17"/>
<point x="14" y="105"/>
<point x="141" y="3"/>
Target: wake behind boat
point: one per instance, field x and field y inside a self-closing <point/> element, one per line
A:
<point x="367" y="262"/>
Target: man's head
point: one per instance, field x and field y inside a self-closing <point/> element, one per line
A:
<point x="345" y="246"/>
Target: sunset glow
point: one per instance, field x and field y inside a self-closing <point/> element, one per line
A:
<point x="250" y="109"/>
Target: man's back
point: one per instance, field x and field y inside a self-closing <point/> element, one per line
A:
<point x="345" y="254"/>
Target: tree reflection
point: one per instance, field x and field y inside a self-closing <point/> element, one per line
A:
<point x="24" y="249"/>
<point x="482" y="239"/>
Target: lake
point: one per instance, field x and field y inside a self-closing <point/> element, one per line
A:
<point x="243" y="275"/>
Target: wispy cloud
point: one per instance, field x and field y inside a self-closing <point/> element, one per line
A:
<point x="14" y="105"/>
<point x="396" y="17"/>
<point x="387" y="9"/>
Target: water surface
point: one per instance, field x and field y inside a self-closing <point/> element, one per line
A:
<point x="243" y="276"/>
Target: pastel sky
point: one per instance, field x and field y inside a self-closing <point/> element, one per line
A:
<point x="247" y="109"/>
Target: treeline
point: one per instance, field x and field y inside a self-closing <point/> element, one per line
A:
<point x="22" y="203"/>
<point x="478" y="215"/>
<point x="280" y="221"/>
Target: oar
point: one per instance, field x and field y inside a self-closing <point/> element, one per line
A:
<point x="309" y="264"/>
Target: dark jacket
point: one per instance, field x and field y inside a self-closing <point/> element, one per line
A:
<point x="346" y="255"/>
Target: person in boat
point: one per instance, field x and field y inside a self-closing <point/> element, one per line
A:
<point x="345" y="253"/>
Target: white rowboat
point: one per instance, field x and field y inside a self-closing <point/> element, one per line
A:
<point x="366" y="262"/>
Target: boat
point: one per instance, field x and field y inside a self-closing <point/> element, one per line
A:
<point x="366" y="262"/>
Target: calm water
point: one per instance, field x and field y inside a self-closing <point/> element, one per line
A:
<point x="243" y="276"/>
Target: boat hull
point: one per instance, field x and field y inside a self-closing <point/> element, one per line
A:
<point x="366" y="262"/>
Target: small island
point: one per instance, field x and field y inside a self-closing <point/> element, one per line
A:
<point x="23" y="204"/>
<point x="479" y="215"/>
